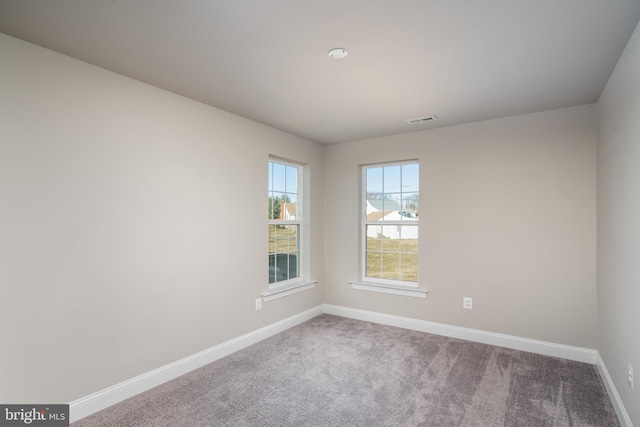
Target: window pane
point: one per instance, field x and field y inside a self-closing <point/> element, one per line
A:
<point x="293" y="237"/>
<point x="392" y="206"/>
<point x="374" y="243"/>
<point x="374" y="264"/>
<point x="410" y="205"/>
<point x="273" y="232"/>
<point x="409" y="272"/>
<point x="283" y="266"/>
<point x="410" y="178"/>
<point x="284" y="252"/>
<point x="409" y="253"/>
<point x="375" y="207"/>
<point x="276" y="203"/>
<point x="279" y="177"/>
<point x="398" y="259"/>
<point x="294" y="264"/>
<point x="392" y="192"/>
<point x="271" y="206"/>
<point x="291" y="179"/>
<point x="289" y="207"/>
<point x="283" y="238"/>
<point x="392" y="179"/>
<point x="409" y="238"/>
<point x="374" y="180"/>
<point x="391" y="244"/>
<point x="391" y="266"/>
<point x="283" y="206"/>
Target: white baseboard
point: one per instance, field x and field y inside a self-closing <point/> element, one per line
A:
<point x="623" y="415"/>
<point x="110" y="396"/>
<point x="541" y="347"/>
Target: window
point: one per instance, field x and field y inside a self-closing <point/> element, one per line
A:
<point x="390" y="212"/>
<point x="285" y="221"/>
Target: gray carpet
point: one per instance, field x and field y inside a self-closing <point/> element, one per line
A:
<point x="332" y="371"/>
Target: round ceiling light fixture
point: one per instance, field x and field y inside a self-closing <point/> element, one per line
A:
<point x="338" y="53"/>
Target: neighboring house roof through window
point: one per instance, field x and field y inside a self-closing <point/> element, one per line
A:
<point x="379" y="205"/>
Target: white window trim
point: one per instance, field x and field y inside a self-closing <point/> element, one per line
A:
<point x="302" y="221"/>
<point x="386" y="289"/>
<point x="398" y="287"/>
<point x="284" y="291"/>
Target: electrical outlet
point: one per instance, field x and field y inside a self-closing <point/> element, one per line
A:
<point x="467" y="302"/>
<point x="258" y="303"/>
<point x="630" y="376"/>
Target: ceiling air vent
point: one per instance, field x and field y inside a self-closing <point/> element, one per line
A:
<point x="421" y="120"/>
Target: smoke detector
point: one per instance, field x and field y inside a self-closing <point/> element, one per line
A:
<point x="338" y="53"/>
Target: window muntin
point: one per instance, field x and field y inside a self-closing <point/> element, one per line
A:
<point x="390" y="223"/>
<point x="285" y="221"/>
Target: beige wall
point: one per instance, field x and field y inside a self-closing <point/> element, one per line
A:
<point x="128" y="217"/>
<point x="507" y="216"/>
<point x="619" y="225"/>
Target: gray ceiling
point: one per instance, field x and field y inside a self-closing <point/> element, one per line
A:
<point x="462" y="60"/>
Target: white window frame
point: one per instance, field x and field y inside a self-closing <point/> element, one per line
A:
<point x="299" y="221"/>
<point x="368" y="282"/>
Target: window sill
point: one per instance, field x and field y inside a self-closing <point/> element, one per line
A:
<point x="385" y="289"/>
<point x="273" y="294"/>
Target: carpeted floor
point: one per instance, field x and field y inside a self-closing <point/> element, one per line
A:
<point x="332" y="371"/>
